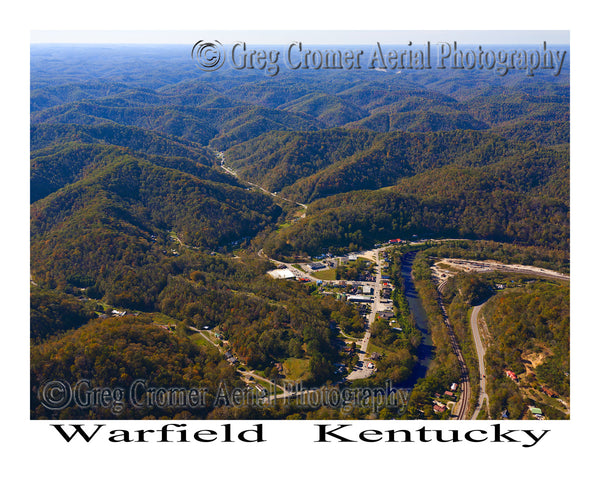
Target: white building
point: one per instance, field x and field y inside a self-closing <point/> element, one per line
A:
<point x="282" y="274"/>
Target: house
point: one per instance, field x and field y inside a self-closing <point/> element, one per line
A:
<point x="453" y="387"/>
<point x="439" y="408"/>
<point x="230" y="357"/>
<point x="512" y="375"/>
<point x="537" y="412"/>
<point x="549" y="392"/>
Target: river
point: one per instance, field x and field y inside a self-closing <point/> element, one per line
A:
<point x="425" y="351"/>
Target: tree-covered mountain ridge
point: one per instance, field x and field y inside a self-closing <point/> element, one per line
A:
<point x="311" y="165"/>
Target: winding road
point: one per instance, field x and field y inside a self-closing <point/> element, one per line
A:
<point x="230" y="171"/>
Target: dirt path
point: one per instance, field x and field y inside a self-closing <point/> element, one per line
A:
<point x="480" y="347"/>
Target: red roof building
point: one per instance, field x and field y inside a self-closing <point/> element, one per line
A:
<point x="549" y="392"/>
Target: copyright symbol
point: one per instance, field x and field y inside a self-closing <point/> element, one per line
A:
<point x="55" y="394"/>
<point x="209" y="55"/>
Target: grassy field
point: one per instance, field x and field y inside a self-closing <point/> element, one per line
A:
<point x="295" y="368"/>
<point x="284" y="225"/>
<point x="328" y="274"/>
<point x="162" y="319"/>
<point x="372" y="348"/>
<point x="198" y="339"/>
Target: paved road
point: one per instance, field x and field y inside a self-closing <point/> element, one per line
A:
<point x="482" y="266"/>
<point x="480" y="347"/>
<point x="362" y="370"/>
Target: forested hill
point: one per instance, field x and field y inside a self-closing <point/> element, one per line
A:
<point x="94" y="86"/>
<point x="72" y="152"/>
<point x="110" y="215"/>
<point x="137" y="139"/>
<point x="522" y="198"/>
<point x="308" y="166"/>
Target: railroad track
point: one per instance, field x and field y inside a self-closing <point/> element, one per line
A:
<point x="465" y="384"/>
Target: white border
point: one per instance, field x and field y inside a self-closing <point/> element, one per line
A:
<point x="34" y="448"/>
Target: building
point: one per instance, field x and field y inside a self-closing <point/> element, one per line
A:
<point x="535" y="411"/>
<point x="359" y="299"/>
<point x="549" y="392"/>
<point x="316" y="266"/>
<point x="450" y="395"/>
<point x="230" y="357"/>
<point x="282" y="274"/>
